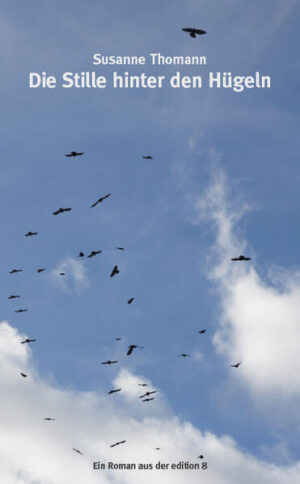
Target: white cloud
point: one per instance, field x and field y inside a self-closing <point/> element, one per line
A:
<point x="35" y="451"/>
<point x="75" y="278"/>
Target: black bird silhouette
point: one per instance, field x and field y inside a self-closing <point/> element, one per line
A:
<point x="148" y="157"/>
<point x="131" y="348"/>
<point x="193" y="32"/>
<point x="114" y="391"/>
<point x="13" y="296"/>
<point x="100" y="200"/>
<point x="114" y="271"/>
<point x="118" y="443"/>
<point x="143" y="384"/>
<point x="76" y="450"/>
<point x="236" y="365"/>
<point x="62" y="273"/>
<point x="241" y="257"/>
<point x="184" y="355"/>
<point x="120" y="248"/>
<point x="27" y="340"/>
<point x="61" y="210"/>
<point x="49" y="419"/>
<point x="21" y="310"/>
<point x="93" y="253"/>
<point x="118" y="339"/>
<point x="40" y="270"/>
<point x="130" y="300"/>
<point x="30" y="234"/>
<point x="147" y="400"/>
<point x="14" y="271"/>
<point x="81" y="254"/>
<point x="202" y="331"/>
<point x="74" y="153"/>
<point x="23" y="375"/>
<point x="108" y="362"/>
<point x="200" y="456"/>
<point x="147" y="394"/>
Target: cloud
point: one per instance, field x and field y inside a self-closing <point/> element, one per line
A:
<point x="75" y="278"/>
<point x="36" y="451"/>
<point x="259" y="317"/>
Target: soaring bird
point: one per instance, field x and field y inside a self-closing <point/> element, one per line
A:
<point x="76" y="450"/>
<point x="81" y="254"/>
<point x="30" y="234"/>
<point x="74" y="153"/>
<point x="147" y="399"/>
<point x="13" y="296"/>
<point x="23" y="375"/>
<point x="120" y="248"/>
<point x="93" y="253"/>
<point x="131" y="348"/>
<point x="114" y="271"/>
<point x="236" y="365"/>
<point x="21" y="310"/>
<point x="108" y="362"/>
<point x="114" y="391"/>
<point x="27" y="340"/>
<point x="14" y="271"/>
<point x="40" y="270"/>
<point x="241" y="257"/>
<point x="118" y="339"/>
<point x="184" y="355"/>
<point x="100" y="200"/>
<point x="143" y="384"/>
<point x="49" y="419"/>
<point x="147" y="394"/>
<point x="202" y="331"/>
<point x="62" y="273"/>
<point x="193" y="32"/>
<point x="130" y="300"/>
<point x="148" y="157"/>
<point x="61" y="210"/>
<point x="118" y="443"/>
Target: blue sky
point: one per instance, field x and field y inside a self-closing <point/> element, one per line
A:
<point x="172" y="254"/>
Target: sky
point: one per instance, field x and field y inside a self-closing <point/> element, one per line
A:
<point x="223" y="181"/>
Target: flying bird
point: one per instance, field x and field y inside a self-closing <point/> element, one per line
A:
<point x="27" y="340"/>
<point x="157" y="448"/>
<point x="74" y="153"/>
<point x="241" y="257"/>
<point x="131" y="348"/>
<point x="49" y="419"/>
<point x="194" y="32"/>
<point x="23" y="375"/>
<point x="30" y="234"/>
<point x="200" y="456"/>
<point x="184" y="355"/>
<point x="202" y="331"/>
<point x="100" y="200"/>
<point x="21" y="310"/>
<point x="114" y="391"/>
<point x="14" y="271"/>
<point x="148" y="157"/>
<point x="93" y="253"/>
<point x="13" y="296"/>
<point x="61" y="210"/>
<point x="147" y="394"/>
<point x="81" y="254"/>
<point x="236" y="365"/>
<point x="114" y="271"/>
<point x="120" y="248"/>
<point x="147" y="400"/>
<point x="40" y="270"/>
<point x="118" y="443"/>
<point x="143" y="384"/>
<point x="118" y="339"/>
<point x="62" y="273"/>
<point x="130" y="300"/>
<point x="76" y="450"/>
<point x="108" y="362"/>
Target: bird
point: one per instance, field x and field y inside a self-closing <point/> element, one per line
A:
<point x="130" y="300"/>
<point x="14" y="271"/>
<point x="61" y="210"/>
<point x="74" y="153"/>
<point x="241" y="257"/>
<point x="62" y="273"/>
<point x="120" y="248"/>
<point x="108" y="362"/>
<point x="202" y="331"/>
<point x="148" y="157"/>
<point x="27" y="340"/>
<point x="100" y="200"/>
<point x="49" y="419"/>
<point x="118" y="339"/>
<point x="193" y="32"/>
<point x="143" y="384"/>
<point x="114" y="271"/>
<point x="78" y="451"/>
<point x="131" y="348"/>
<point x="147" y="400"/>
<point x="200" y="456"/>
<point x="118" y="443"/>
<point x="157" y="448"/>
<point x="23" y="375"/>
<point x="236" y="365"/>
<point x="93" y="253"/>
<point x="114" y="391"/>
<point x="13" y="296"/>
<point x="21" y="310"/>
<point x="147" y="394"/>
<point x="30" y="234"/>
<point x="81" y="254"/>
<point x="184" y="355"/>
<point x="40" y="270"/>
